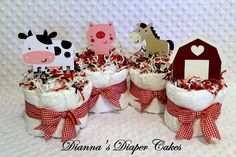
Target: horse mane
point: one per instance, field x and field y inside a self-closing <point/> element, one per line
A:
<point x="143" y="25"/>
<point x="155" y="33"/>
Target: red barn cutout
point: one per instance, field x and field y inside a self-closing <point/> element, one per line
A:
<point x="197" y="57"/>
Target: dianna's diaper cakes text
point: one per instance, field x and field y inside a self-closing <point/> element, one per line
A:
<point x="121" y="145"/>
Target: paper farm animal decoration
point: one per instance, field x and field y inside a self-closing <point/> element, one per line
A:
<point x="42" y="52"/>
<point x="101" y="37"/>
<point x="197" y="57"/>
<point x="154" y="45"/>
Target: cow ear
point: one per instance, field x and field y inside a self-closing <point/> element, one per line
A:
<point x="45" y="33"/>
<point x="52" y="35"/>
<point x="30" y="33"/>
<point x="22" y="36"/>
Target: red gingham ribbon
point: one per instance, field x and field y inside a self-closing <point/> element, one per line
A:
<point x="146" y="96"/>
<point x="112" y="94"/>
<point x="187" y="117"/>
<point x="50" y="119"/>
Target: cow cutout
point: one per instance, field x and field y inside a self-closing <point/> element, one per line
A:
<point x="197" y="57"/>
<point x="42" y="52"/>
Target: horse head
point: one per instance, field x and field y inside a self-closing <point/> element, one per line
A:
<point x="142" y="32"/>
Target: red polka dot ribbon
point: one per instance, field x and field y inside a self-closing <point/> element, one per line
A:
<point x="50" y="119"/>
<point x="146" y="96"/>
<point x="112" y="94"/>
<point x="187" y="117"/>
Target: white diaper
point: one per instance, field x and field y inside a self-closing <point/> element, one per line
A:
<point x="107" y="79"/>
<point x="150" y="81"/>
<point x="194" y="100"/>
<point x="58" y="101"/>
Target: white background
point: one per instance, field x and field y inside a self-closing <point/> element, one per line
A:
<point x="172" y="19"/>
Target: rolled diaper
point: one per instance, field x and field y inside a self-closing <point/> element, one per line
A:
<point x="147" y="91"/>
<point x="56" y="103"/>
<point x="109" y="91"/>
<point x="193" y="113"/>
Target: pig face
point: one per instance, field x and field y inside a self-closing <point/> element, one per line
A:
<point x="101" y="34"/>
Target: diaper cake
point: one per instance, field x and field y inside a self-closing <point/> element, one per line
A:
<point x="148" y="68"/>
<point x="55" y="95"/>
<point x="195" y="90"/>
<point x="105" y="66"/>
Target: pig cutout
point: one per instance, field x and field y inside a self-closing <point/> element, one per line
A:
<point x="101" y="37"/>
<point x="42" y="52"/>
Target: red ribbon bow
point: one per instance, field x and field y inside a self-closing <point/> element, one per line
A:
<point x="50" y="119"/>
<point x="112" y="94"/>
<point x="146" y="96"/>
<point x="187" y="118"/>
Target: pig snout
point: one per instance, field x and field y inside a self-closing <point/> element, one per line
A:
<point x="38" y="57"/>
<point x="100" y="35"/>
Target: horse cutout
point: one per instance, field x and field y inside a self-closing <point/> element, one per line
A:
<point x="42" y="52"/>
<point x="154" y="45"/>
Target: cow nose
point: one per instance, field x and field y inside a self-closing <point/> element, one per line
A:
<point x="100" y="35"/>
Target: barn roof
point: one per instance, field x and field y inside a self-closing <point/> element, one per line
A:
<point x="189" y="40"/>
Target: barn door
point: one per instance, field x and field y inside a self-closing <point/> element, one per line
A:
<point x="196" y="68"/>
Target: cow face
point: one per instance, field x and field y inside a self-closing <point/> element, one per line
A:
<point x="38" y="49"/>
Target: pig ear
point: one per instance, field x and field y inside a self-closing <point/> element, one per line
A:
<point x="91" y="24"/>
<point x="110" y="23"/>
<point x="45" y="33"/>
<point x="30" y="33"/>
<point x="22" y="36"/>
<point x="52" y="35"/>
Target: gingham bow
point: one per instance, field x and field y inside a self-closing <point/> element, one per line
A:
<point x="112" y="94"/>
<point x="50" y="119"/>
<point x="187" y="118"/>
<point x="146" y="96"/>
